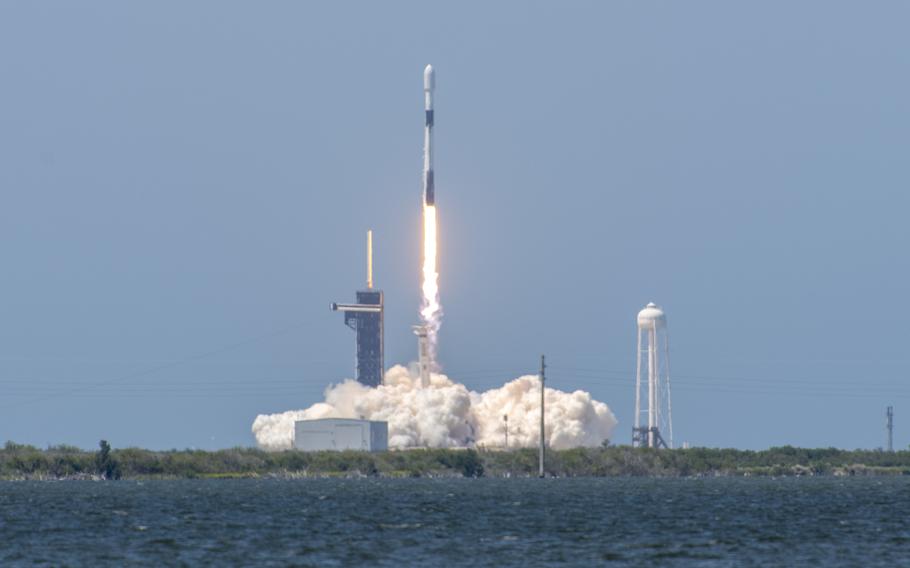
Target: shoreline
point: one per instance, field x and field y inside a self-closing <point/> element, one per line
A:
<point x="60" y="463"/>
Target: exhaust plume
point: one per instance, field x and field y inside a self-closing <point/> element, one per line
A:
<point x="430" y="308"/>
<point x="447" y="415"/>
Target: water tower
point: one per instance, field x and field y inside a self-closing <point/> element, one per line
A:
<point x="653" y="359"/>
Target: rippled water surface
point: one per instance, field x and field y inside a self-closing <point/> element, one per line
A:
<point x="458" y="522"/>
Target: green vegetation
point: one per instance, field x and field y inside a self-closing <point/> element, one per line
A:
<point x="106" y="466"/>
<point x="627" y="461"/>
<point x="19" y="461"/>
<point x="66" y="462"/>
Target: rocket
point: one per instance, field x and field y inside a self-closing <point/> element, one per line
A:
<point x="429" y="85"/>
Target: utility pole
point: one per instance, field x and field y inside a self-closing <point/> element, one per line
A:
<point x="890" y="415"/>
<point x="505" y="419"/>
<point x="543" y="445"/>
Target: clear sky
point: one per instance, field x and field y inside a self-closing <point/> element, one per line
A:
<point x="186" y="186"/>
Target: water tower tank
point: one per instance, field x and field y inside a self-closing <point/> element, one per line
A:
<point x="652" y="317"/>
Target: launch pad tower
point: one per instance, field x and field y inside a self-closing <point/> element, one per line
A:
<point x="366" y="319"/>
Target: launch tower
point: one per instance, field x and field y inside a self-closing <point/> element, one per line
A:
<point x="366" y="319"/>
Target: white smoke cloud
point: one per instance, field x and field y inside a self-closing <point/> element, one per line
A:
<point x="447" y="414"/>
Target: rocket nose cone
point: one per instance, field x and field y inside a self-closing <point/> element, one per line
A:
<point x="429" y="78"/>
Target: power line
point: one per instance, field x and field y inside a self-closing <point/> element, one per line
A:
<point x="159" y="368"/>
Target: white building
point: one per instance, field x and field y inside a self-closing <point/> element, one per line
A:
<point x="337" y="434"/>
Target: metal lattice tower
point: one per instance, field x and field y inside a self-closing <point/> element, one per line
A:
<point x="652" y="357"/>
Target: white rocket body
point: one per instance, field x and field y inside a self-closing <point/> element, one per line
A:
<point x="429" y="85"/>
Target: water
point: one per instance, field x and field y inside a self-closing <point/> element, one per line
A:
<point x="458" y="522"/>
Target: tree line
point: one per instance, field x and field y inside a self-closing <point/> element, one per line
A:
<point x="18" y="461"/>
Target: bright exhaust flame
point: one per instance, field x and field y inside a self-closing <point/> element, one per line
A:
<point x="430" y="308"/>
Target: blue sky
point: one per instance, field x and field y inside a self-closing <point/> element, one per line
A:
<point x="186" y="186"/>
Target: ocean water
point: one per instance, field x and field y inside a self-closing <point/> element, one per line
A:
<point x="458" y="522"/>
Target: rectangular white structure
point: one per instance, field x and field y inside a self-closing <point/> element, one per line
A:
<point x="338" y="434"/>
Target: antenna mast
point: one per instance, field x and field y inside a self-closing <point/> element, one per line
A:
<point x="890" y="425"/>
